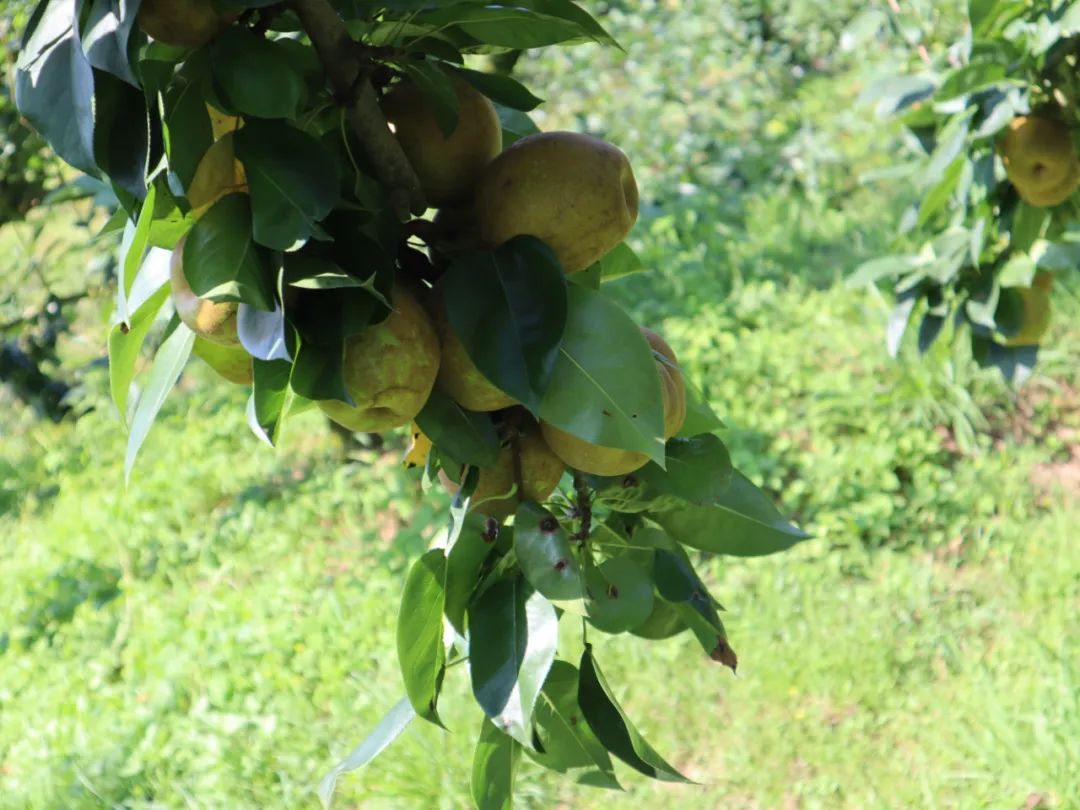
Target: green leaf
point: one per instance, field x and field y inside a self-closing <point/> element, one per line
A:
<point x="464" y="561"/>
<point x="125" y="345"/>
<point x="513" y="631"/>
<point x="121" y="133"/>
<point x="257" y="76"/>
<point x="611" y="726"/>
<point x="620" y="594"/>
<point x="508" y="307"/>
<point x="420" y="646"/>
<point x="500" y="88"/>
<point x="544" y="554"/>
<point x="605" y="388"/>
<point x="743" y="523"/>
<point x="698" y="470"/>
<point x="468" y="437"/>
<point x="263" y="334"/>
<point x="566" y="739"/>
<point x="294" y="181"/>
<point x="270" y="398"/>
<point x="168" y="363"/>
<point x="221" y="261"/>
<point x="388" y="730"/>
<point x="106" y="34"/>
<point x="318" y="374"/>
<point x="571" y="11"/>
<point x="700" y="417"/>
<point x="509" y="27"/>
<point x="494" y="766"/>
<point x="1029" y="223"/>
<point x="54" y="85"/>
<point x="881" y="267"/>
<point x="133" y="248"/>
<point x="619" y="262"/>
<point x="515" y="124"/>
<point x="438" y="90"/>
<point x="187" y="129"/>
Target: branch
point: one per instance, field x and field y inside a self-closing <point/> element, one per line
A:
<point x="349" y="81"/>
<point x="582" y="506"/>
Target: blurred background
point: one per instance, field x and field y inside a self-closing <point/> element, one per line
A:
<point x="221" y="633"/>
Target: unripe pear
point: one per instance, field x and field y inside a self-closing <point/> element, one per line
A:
<point x="1040" y="160"/>
<point x="609" y="461"/>
<point x="541" y="470"/>
<point x="447" y="166"/>
<point x="460" y="377"/>
<point x="389" y="369"/>
<point x="231" y="362"/>
<point x="215" y="321"/>
<point x="185" y="23"/>
<point x="575" y="192"/>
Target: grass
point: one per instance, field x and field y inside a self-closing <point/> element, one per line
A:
<point x="221" y="633"/>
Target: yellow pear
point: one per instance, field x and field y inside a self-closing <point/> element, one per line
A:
<point x="608" y="461"/>
<point x="447" y="166"/>
<point x="1036" y="311"/>
<point x="389" y="369"/>
<point x="218" y="174"/>
<point x="212" y="320"/>
<point x="460" y="377"/>
<point x="575" y="192"/>
<point x="222" y="124"/>
<point x="495" y="494"/>
<point x="1040" y="160"/>
<point x="186" y="23"/>
<point x="231" y="362"/>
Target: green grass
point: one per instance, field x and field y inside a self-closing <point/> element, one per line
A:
<point x="222" y="632"/>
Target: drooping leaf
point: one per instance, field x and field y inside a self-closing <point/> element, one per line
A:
<point x="262" y="333"/>
<point x="513" y="630"/>
<point x="611" y="726"/>
<point x="125" y="345"/>
<point x="742" y="522"/>
<point x="544" y="554"/>
<point x="464" y="562"/>
<point x="294" y="181"/>
<point x="169" y="361"/>
<point x="605" y="388"/>
<point x="494" y="767"/>
<point x="187" y="128"/>
<point x="508" y="307"/>
<point x="507" y="26"/>
<point x="270" y="397"/>
<point x="256" y="76"/>
<point x="420" y="646"/>
<point x="568" y="743"/>
<point x="698" y="470"/>
<point x="121" y="133"/>
<point x="468" y="437"/>
<point x="105" y="37"/>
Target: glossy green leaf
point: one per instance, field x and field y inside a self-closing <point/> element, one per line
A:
<point x="125" y="346"/>
<point x="698" y="470"/>
<point x="468" y="437"/>
<point x="700" y="417"/>
<point x="106" y="33"/>
<point x="513" y="631"/>
<point x="544" y="554"/>
<point x="494" y="766"/>
<point x="317" y="372"/>
<point x="121" y="133"/>
<point x="54" y="84"/>
<point x="256" y="76"/>
<point x="420" y="646"/>
<point x="507" y="26"/>
<point x="620" y="594"/>
<point x="568" y="744"/>
<point x="500" y="88"/>
<point x="187" y="129"/>
<point x="611" y="726"/>
<point x="605" y="388"/>
<point x="294" y="181"/>
<point x="464" y="561"/>
<point x="742" y="522"/>
<point x="270" y="398"/>
<point x="169" y="361"/>
<point x="220" y="259"/>
<point x="515" y="124"/>
<point x="619" y="262"/>
<point x="133" y="247"/>
<point x="509" y="309"/>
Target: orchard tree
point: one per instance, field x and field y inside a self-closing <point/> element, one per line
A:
<point x="324" y="203"/>
<point x="995" y="122"/>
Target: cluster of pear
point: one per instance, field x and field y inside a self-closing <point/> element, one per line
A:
<point x="575" y="192"/>
<point x="1040" y="160"/>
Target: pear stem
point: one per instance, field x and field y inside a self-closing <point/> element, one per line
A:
<point x="349" y="80"/>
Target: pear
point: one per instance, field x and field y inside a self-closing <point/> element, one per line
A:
<point x="389" y="369"/>
<point x="212" y="320"/>
<point x="447" y="166"/>
<point x="460" y="377"/>
<point x="1040" y="160"/>
<point x="575" y="192"/>
<point x="541" y="470"/>
<point x="1035" y="319"/>
<point x="609" y="461"/>
<point x="185" y="23"/>
<point x="231" y="362"/>
<point x="218" y="174"/>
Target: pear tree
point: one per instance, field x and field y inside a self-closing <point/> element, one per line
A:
<point x="993" y="123"/>
<point x="332" y="204"/>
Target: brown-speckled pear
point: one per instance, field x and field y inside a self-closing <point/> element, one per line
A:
<point x="460" y="377"/>
<point x="185" y="23"/>
<point x="231" y="362"/>
<point x="389" y="369"/>
<point x="575" y="192"/>
<point x="599" y="460"/>
<point x="541" y="470"/>
<point x="215" y="321"/>
<point x="447" y="167"/>
<point x="1040" y="160"/>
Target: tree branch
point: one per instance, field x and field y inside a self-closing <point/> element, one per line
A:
<point x="350" y="82"/>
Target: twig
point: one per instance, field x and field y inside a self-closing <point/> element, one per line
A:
<point x="349" y="80"/>
<point x="583" y="506"/>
